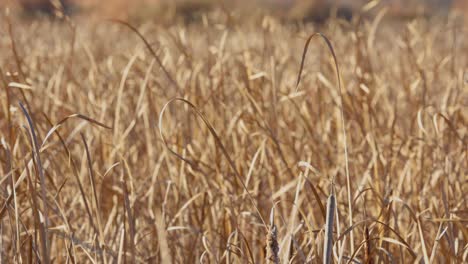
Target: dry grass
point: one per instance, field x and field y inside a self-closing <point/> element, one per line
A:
<point x="121" y="154"/>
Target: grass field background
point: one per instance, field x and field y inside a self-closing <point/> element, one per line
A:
<point x="200" y="141"/>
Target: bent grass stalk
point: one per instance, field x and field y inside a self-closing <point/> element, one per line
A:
<point x="331" y="199"/>
<point x="218" y="142"/>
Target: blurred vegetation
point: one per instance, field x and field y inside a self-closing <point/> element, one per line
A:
<point x="190" y="10"/>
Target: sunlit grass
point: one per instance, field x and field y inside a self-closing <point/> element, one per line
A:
<point x="197" y="142"/>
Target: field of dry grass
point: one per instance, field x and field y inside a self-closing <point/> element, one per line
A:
<point x="201" y="142"/>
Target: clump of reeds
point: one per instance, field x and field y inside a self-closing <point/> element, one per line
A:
<point x="387" y="185"/>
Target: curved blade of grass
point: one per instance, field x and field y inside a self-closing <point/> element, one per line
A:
<point x="218" y="142"/>
<point x="249" y="250"/>
<point x="158" y="60"/>
<point x="44" y="225"/>
<point x="60" y="123"/>
<point x="312" y="187"/>
<point x="400" y="238"/>
<point x="93" y="188"/>
<point x="75" y="172"/>
<point x="345" y="145"/>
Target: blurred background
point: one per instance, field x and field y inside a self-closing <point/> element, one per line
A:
<point x="316" y="10"/>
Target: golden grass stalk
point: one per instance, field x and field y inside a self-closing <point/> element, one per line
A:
<point x="37" y="157"/>
<point x="343" y="125"/>
<point x="164" y="253"/>
<point x="97" y="206"/>
<point x="328" y="241"/>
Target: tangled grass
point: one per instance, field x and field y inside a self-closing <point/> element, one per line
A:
<point x="195" y="145"/>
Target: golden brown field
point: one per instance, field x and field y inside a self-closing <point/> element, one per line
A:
<point x="194" y="143"/>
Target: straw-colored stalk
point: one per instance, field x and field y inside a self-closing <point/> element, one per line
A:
<point x="328" y="242"/>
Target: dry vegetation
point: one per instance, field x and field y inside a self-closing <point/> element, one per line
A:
<point x="100" y="164"/>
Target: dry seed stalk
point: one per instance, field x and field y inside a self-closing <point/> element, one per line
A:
<point x="328" y="242"/>
<point x="331" y="202"/>
<point x="272" y="248"/>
